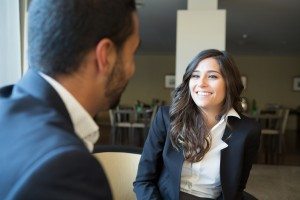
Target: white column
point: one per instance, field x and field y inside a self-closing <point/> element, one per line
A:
<point x="10" y="49"/>
<point x="202" y="5"/>
<point x="199" y="28"/>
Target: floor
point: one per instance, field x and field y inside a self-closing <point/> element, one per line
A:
<point x="272" y="182"/>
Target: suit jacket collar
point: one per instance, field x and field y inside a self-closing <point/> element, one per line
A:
<point x="33" y="84"/>
<point x="227" y="134"/>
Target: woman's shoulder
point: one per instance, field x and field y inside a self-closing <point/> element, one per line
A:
<point x="164" y="109"/>
<point x="163" y="115"/>
<point x="249" y="120"/>
<point x="245" y="123"/>
<point x="251" y="124"/>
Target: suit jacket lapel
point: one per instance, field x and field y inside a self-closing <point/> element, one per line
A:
<point x="176" y="162"/>
<point x="227" y="167"/>
<point x="224" y="161"/>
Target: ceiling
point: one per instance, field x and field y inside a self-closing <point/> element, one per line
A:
<point x="253" y="27"/>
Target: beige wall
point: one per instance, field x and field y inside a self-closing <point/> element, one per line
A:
<point x="270" y="79"/>
<point x="148" y="80"/>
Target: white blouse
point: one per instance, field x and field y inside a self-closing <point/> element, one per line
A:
<point x="202" y="178"/>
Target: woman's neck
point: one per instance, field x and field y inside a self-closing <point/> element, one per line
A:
<point x="211" y="119"/>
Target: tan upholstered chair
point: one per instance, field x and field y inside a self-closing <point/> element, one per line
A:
<point x="120" y="165"/>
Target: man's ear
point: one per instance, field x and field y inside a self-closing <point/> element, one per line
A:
<point x="106" y="55"/>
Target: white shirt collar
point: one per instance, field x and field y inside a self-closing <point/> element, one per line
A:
<point x="232" y="113"/>
<point x="84" y="125"/>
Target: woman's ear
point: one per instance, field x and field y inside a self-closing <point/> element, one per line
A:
<point x="106" y="55"/>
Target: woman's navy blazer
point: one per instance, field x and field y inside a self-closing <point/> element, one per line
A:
<point x="159" y="171"/>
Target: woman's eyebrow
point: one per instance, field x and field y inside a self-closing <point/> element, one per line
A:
<point x="209" y="71"/>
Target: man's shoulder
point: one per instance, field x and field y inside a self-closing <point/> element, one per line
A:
<point x="35" y="130"/>
<point x="58" y="169"/>
<point x="30" y="132"/>
<point x="40" y="151"/>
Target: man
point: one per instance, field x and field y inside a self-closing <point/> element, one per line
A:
<point x="81" y="56"/>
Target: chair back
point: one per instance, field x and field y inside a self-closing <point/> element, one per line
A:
<point x="120" y="117"/>
<point x="279" y="112"/>
<point x="285" y="116"/>
<point x="111" y="117"/>
<point x="120" y="164"/>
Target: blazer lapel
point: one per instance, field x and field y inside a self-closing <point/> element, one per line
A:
<point x="224" y="162"/>
<point x="227" y="135"/>
<point x="228" y="161"/>
<point x="175" y="162"/>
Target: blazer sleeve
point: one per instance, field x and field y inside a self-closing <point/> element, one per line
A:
<point x="67" y="174"/>
<point x="251" y="149"/>
<point x="151" y="162"/>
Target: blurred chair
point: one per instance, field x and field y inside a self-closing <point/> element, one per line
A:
<point x="120" y="164"/>
<point x="274" y="137"/>
<point x="269" y="119"/>
<point x="120" y="118"/>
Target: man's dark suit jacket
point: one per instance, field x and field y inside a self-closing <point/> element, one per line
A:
<point x="40" y="155"/>
<point x="159" y="171"/>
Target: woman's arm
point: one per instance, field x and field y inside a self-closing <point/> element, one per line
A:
<point x="145" y="185"/>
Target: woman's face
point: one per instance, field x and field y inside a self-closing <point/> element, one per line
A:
<point x="207" y="85"/>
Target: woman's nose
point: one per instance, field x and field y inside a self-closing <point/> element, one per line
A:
<point x="202" y="82"/>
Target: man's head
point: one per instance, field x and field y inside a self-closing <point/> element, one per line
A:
<point x="91" y="39"/>
<point x="124" y="67"/>
<point x="61" y="33"/>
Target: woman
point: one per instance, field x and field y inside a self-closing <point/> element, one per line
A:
<point x="202" y="147"/>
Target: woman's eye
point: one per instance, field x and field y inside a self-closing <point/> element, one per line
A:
<point x="195" y="76"/>
<point x="212" y="76"/>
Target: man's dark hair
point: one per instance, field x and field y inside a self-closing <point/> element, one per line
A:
<point x="62" y="32"/>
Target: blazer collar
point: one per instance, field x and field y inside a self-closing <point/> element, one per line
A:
<point x="231" y="119"/>
<point x="227" y="134"/>
<point x="39" y="88"/>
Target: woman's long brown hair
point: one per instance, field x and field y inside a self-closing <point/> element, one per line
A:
<point x="188" y="128"/>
